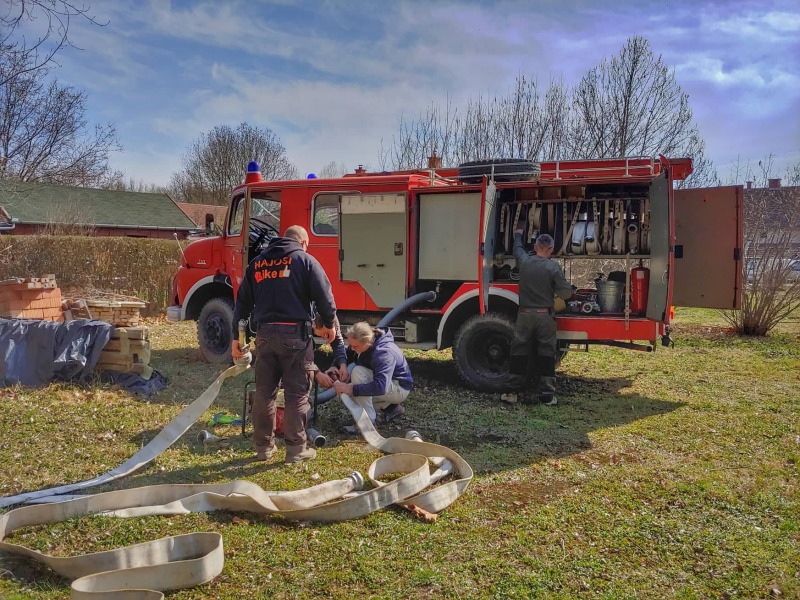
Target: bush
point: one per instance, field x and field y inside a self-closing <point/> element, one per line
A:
<point x="132" y="266"/>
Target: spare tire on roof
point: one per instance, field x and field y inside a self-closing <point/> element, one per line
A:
<point x="503" y="169"/>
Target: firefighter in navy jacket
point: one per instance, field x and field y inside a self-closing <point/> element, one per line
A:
<point x="278" y="288"/>
<point x="382" y="378"/>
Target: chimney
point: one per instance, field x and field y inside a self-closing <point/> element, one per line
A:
<point x="434" y="162"/>
<point x="361" y="170"/>
<point x="775" y="183"/>
<point x="749" y="185"/>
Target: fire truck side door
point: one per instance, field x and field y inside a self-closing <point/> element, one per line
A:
<point x="488" y="231"/>
<point x="709" y="237"/>
<point x="373" y="241"/>
<point x="660" y="242"/>
<point x="237" y="238"/>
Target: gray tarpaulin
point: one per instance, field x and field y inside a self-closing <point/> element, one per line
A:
<point x="135" y="383"/>
<point x="34" y="352"/>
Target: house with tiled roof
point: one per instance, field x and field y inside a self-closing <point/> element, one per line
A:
<point x="774" y="211"/>
<point x="208" y="217"/>
<point x="47" y="208"/>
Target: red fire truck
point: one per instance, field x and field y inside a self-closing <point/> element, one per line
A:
<point x="385" y="238"/>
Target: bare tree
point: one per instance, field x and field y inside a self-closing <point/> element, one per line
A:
<point x="50" y="19"/>
<point x="760" y="174"/>
<point x="792" y="175"/>
<point x="704" y="173"/>
<point x="435" y="131"/>
<point x="522" y="124"/>
<point x="632" y="105"/>
<point x="332" y="169"/>
<point x="216" y="162"/>
<point x="44" y="135"/>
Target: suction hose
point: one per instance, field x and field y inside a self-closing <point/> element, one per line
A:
<point x="330" y="393"/>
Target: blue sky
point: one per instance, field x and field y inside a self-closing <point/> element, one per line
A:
<point x="332" y="79"/>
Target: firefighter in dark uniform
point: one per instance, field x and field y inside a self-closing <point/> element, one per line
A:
<point x="540" y="281"/>
<point x="279" y="287"/>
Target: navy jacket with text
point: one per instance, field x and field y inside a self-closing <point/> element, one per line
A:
<point x="281" y="284"/>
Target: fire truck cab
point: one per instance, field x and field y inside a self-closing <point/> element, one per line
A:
<point x="633" y="245"/>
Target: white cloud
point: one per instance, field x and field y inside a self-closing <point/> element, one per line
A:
<point x="332" y="79"/>
<point x="769" y="77"/>
<point x="772" y="27"/>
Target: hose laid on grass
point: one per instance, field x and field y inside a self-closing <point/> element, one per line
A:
<point x="330" y="393"/>
<point x="165" y="438"/>
<point x="143" y="571"/>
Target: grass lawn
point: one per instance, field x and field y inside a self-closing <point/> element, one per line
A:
<point x="665" y="475"/>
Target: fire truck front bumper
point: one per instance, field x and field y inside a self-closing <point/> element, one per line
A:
<point x="174" y="314"/>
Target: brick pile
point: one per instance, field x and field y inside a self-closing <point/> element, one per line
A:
<point x="128" y="351"/>
<point x="31" y="298"/>
<point x="122" y="313"/>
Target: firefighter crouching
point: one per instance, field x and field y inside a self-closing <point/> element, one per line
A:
<point x="279" y="287"/>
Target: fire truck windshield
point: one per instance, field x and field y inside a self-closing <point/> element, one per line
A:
<point x="265" y="212"/>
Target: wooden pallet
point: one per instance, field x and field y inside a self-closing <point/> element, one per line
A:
<point x="127" y="351"/>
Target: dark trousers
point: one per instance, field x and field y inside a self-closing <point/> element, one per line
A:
<point x="536" y="332"/>
<point x="283" y="353"/>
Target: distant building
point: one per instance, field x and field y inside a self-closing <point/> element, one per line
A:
<point x="208" y="217"/>
<point x="45" y="208"/>
<point x="778" y="207"/>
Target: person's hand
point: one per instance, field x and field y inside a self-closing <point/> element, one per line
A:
<point x="236" y="351"/>
<point x="327" y="333"/>
<point x="344" y="374"/>
<point x="343" y="388"/>
<point x="519" y="230"/>
<point x="333" y="374"/>
<point x="323" y="379"/>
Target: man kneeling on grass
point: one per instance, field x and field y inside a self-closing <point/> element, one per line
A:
<point x="381" y="379"/>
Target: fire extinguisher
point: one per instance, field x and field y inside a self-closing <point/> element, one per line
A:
<point x="640" y="283"/>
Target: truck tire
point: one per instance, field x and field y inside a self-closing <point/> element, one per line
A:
<point x="504" y="169"/>
<point x="482" y="348"/>
<point x="214" y="330"/>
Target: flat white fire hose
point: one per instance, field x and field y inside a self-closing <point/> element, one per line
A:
<point x="143" y="571"/>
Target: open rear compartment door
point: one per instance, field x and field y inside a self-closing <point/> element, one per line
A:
<point x="487" y="232"/>
<point x="660" y="243"/>
<point x="709" y="237"/>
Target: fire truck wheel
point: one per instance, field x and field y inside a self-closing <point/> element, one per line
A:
<point x="482" y="348"/>
<point x="504" y="169"/>
<point x="214" y="330"/>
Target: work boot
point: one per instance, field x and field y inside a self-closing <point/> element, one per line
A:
<point x="297" y="454"/>
<point x="266" y="452"/>
<point x="548" y="400"/>
<point x="391" y="412"/>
